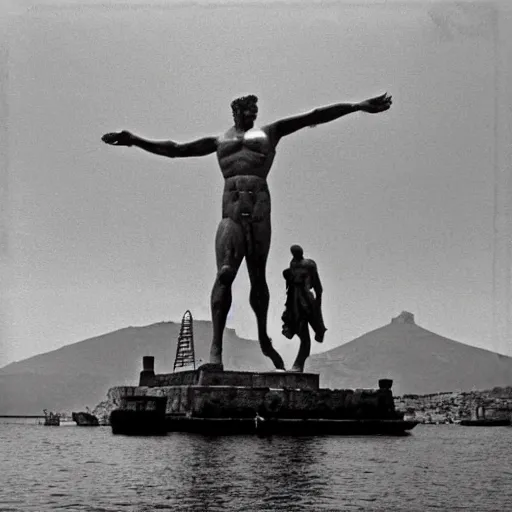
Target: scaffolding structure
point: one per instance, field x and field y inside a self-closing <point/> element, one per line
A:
<point x="185" y="355"/>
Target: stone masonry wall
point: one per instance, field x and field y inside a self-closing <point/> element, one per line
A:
<point x="230" y="401"/>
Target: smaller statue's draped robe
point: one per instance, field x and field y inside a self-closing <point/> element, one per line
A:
<point x="302" y="306"/>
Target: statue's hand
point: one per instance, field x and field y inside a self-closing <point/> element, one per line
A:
<point x="377" y="104"/>
<point x="123" y="138"/>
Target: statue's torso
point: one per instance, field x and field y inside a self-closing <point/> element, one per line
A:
<point x="249" y="153"/>
<point x="302" y="272"/>
<point x="245" y="159"/>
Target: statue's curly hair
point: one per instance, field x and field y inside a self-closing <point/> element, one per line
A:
<point x="239" y="104"/>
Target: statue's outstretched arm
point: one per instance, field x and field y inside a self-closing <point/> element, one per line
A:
<point x="168" y="148"/>
<point x="326" y="114"/>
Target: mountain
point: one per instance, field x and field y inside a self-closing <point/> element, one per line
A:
<point x="79" y="375"/>
<point x="418" y="361"/>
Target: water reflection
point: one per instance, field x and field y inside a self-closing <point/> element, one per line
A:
<point x="269" y="473"/>
<point x="205" y="478"/>
<point x="297" y="474"/>
<point x="438" y="468"/>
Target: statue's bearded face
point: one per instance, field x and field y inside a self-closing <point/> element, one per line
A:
<point x="245" y="111"/>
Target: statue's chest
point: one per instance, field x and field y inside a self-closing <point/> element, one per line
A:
<point x="300" y="274"/>
<point x="253" y="140"/>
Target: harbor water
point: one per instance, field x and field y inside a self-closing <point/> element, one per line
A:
<point x="442" y="468"/>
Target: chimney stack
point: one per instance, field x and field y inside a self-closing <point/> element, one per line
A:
<point x="147" y="374"/>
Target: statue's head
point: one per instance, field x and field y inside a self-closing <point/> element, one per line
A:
<point x="297" y="252"/>
<point x="245" y="111"/>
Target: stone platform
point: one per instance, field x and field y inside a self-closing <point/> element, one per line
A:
<point x="211" y="399"/>
<point x="245" y="402"/>
<point x="216" y="377"/>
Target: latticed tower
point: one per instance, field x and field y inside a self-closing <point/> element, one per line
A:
<point x="185" y="350"/>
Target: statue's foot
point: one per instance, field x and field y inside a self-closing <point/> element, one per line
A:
<point x="215" y="358"/>
<point x="287" y="333"/>
<point x="276" y="359"/>
<point x="297" y="368"/>
<point x="272" y="353"/>
<point x="319" y="336"/>
<point x="212" y="367"/>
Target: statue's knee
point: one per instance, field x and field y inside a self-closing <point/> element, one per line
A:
<point x="226" y="275"/>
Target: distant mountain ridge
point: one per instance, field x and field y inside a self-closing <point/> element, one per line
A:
<point x="159" y="339"/>
<point x="79" y="375"/>
<point x="419" y="361"/>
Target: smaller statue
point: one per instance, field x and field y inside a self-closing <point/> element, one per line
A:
<point x="303" y="306"/>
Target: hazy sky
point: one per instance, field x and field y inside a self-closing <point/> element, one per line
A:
<point x="398" y="210"/>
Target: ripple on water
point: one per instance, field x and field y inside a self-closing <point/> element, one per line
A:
<point x="437" y="468"/>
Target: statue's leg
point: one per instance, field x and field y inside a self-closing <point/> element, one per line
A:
<point x="304" y="349"/>
<point x="317" y="321"/>
<point x="259" y="295"/>
<point x="229" y="252"/>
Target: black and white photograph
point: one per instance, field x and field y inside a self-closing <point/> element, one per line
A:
<point x="255" y="255"/>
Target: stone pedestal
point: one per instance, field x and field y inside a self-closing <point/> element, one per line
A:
<point x="211" y="400"/>
<point x="213" y="393"/>
<point x="209" y="377"/>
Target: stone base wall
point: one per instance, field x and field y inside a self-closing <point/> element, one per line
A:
<point x="232" y="378"/>
<point x="245" y="402"/>
<point x="448" y="407"/>
<point x="340" y="403"/>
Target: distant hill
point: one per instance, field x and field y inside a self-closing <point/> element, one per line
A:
<point x="79" y="375"/>
<point x="418" y="361"/>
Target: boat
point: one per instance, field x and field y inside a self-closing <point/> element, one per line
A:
<point x="67" y="421"/>
<point x="85" y="419"/>
<point x="488" y="417"/>
<point x="51" y="419"/>
<point x="290" y="426"/>
<point x="486" y="422"/>
<point x="140" y="416"/>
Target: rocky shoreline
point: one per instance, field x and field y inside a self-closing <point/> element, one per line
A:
<point x="452" y="407"/>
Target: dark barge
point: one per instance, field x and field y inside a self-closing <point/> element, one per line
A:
<point x="502" y="422"/>
<point x="85" y="419"/>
